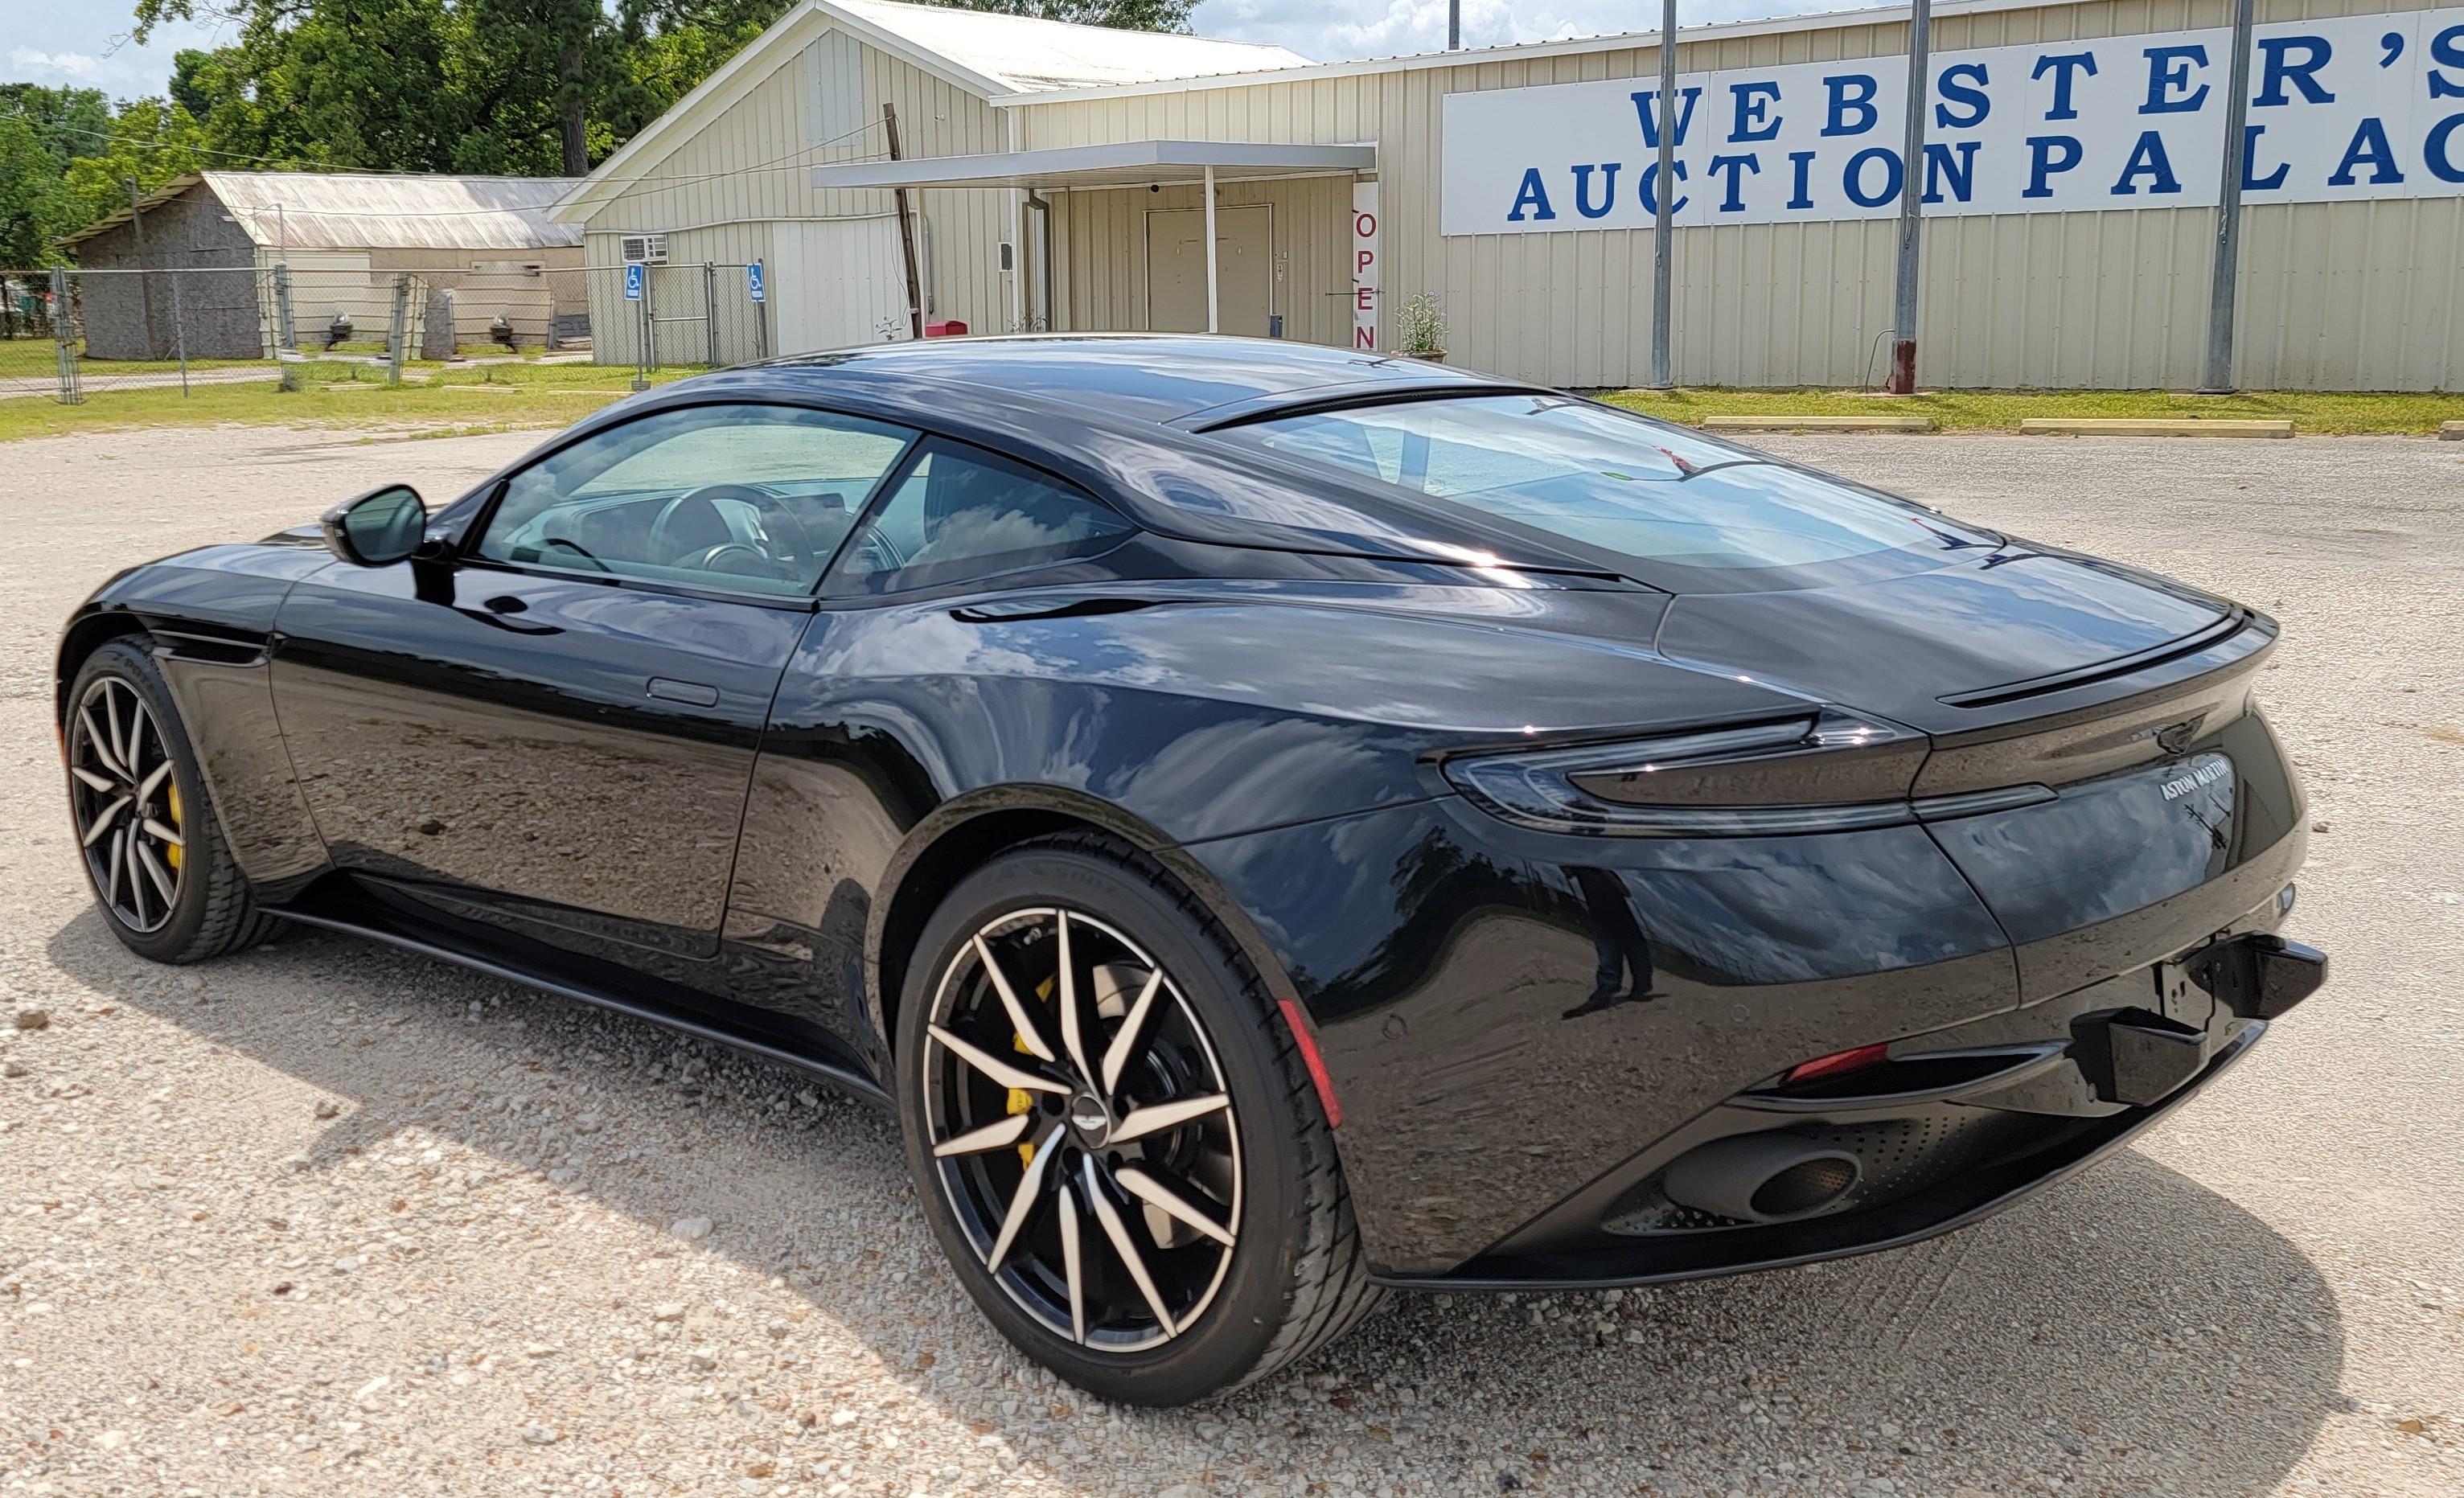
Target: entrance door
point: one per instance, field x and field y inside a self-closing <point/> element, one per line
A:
<point x="839" y="283"/>
<point x="1244" y="268"/>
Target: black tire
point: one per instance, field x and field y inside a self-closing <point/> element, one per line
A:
<point x="213" y="912"/>
<point x="1297" y="1279"/>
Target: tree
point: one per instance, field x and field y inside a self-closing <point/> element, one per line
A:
<point x="30" y="197"/>
<point x="67" y="157"/>
<point x="1133" y="15"/>
<point x="525" y="87"/>
<point x="561" y="53"/>
<point x="150" y="141"/>
<point x="41" y="131"/>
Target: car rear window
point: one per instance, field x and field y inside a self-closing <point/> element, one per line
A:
<point x="1595" y="475"/>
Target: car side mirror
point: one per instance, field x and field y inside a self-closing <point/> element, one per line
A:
<point x="377" y="529"/>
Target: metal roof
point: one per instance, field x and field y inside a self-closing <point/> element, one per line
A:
<point x="368" y="210"/>
<point x="1124" y="164"/>
<point x="1841" y="14"/>
<point x="1025" y="55"/>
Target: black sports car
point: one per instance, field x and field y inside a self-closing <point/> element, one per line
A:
<point x="1277" y="824"/>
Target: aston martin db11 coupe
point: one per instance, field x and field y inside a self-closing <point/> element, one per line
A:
<point x="1276" y="824"/>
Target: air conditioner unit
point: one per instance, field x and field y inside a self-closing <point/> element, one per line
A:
<point x="646" y="248"/>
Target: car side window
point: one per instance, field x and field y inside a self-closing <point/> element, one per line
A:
<point x="742" y="497"/>
<point x="960" y="512"/>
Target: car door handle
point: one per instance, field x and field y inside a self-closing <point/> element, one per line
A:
<point x="1046" y="605"/>
<point x="496" y="614"/>
<point x="694" y="693"/>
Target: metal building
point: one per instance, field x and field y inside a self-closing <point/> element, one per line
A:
<point x="215" y="238"/>
<point x="1059" y="178"/>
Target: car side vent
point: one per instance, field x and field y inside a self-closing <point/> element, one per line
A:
<point x="211" y="645"/>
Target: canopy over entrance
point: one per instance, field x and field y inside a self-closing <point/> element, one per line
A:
<point x="1123" y="163"/>
<point x="1120" y="163"/>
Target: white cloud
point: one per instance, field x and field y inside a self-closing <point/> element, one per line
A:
<point x="72" y="64"/>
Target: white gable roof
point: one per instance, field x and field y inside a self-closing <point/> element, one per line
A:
<point x="1026" y="56"/>
<point x="994" y="55"/>
<point x="352" y="210"/>
<point x="376" y="210"/>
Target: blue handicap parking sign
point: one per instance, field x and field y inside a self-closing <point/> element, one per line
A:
<point x="634" y="282"/>
<point x="753" y="287"/>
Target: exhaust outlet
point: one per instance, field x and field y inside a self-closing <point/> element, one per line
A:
<point x="1761" y="1178"/>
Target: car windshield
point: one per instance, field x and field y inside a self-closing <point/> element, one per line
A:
<point x="1600" y="477"/>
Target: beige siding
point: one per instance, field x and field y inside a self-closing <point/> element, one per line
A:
<point x="717" y="193"/>
<point x="1101" y="263"/>
<point x="2365" y="295"/>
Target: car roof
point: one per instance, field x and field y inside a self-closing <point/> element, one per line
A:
<point x="1151" y="377"/>
<point x="1128" y="414"/>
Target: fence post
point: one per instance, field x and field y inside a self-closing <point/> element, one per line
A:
<point x="398" y="337"/>
<point x="286" y="331"/>
<point x="179" y="334"/>
<point x="710" y="308"/>
<point x="69" y="394"/>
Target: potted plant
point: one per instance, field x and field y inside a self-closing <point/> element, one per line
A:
<point x="1423" y="331"/>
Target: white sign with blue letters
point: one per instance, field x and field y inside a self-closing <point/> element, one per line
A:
<point x="2365" y="107"/>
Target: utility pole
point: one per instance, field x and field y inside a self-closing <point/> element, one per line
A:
<point x="1454" y="25"/>
<point x="1663" y="213"/>
<point x="907" y="231"/>
<point x="145" y="279"/>
<point x="2221" y="292"/>
<point x="1912" y="181"/>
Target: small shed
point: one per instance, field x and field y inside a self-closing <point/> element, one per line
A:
<point x="209" y="245"/>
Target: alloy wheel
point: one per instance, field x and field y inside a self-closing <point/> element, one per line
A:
<point x="1082" y="1130"/>
<point x="127" y="804"/>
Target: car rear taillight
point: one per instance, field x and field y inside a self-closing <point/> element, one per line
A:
<point x="1816" y="772"/>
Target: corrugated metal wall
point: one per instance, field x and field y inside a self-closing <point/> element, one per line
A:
<point x="717" y="195"/>
<point x="2345" y="295"/>
<point x="1100" y="253"/>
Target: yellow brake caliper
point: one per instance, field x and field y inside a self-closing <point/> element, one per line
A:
<point x="172" y="853"/>
<point x="1021" y="1100"/>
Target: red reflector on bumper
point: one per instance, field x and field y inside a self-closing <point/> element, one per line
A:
<point x="1831" y="1066"/>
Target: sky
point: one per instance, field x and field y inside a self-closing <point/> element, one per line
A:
<point x="86" y="42"/>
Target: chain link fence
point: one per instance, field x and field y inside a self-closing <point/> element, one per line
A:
<point x="68" y="334"/>
<point x="655" y="317"/>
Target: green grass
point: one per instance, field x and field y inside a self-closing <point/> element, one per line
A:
<point x="2318" y="413"/>
<point x="38" y="359"/>
<point x="433" y="399"/>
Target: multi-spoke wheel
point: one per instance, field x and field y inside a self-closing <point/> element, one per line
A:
<point x="1081" y="1129"/>
<point x="1117" y="1149"/>
<point x="126" y="805"/>
<point x="143" y="820"/>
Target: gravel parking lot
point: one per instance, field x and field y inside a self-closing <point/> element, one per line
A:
<point x="329" y="1219"/>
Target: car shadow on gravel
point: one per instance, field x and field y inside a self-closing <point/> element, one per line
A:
<point x="2128" y="1330"/>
